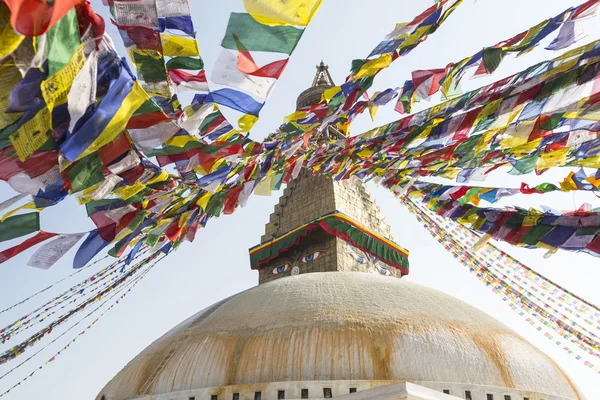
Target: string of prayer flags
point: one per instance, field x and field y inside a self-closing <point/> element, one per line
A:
<point x="425" y="83"/>
<point x="573" y="231"/>
<point x="343" y="102"/>
<point x="119" y="294"/>
<point x="161" y="42"/>
<point x="544" y="305"/>
<point x="474" y="194"/>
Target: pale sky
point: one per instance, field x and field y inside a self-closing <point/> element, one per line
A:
<point x="216" y="265"/>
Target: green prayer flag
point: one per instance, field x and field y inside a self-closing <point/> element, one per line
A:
<point x="524" y="166"/>
<point x="208" y="121"/>
<point x="150" y="69"/>
<point x="185" y="63"/>
<point x="86" y="172"/>
<point x="492" y="57"/>
<point x="552" y="123"/>
<point x="215" y="204"/>
<point x="148" y="107"/>
<point x="547" y="187"/>
<point x="63" y="41"/>
<point x="258" y="37"/>
<point x="19" y="225"/>
<point x="535" y="234"/>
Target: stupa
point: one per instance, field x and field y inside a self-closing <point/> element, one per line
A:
<point x="331" y="317"/>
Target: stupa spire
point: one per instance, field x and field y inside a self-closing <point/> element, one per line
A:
<point x="324" y="225"/>
<point x="322" y="77"/>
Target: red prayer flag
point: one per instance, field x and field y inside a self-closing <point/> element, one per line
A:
<point x="35" y="17"/>
<point x="13" y="251"/>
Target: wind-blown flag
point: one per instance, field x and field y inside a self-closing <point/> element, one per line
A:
<point x="83" y="89"/>
<point x="236" y="100"/>
<point x="19" y="225"/>
<point x="63" y="41"/>
<point x="427" y="82"/>
<point x="185" y="81"/>
<point x="109" y="120"/>
<point x="288" y="12"/>
<point x="33" y="18"/>
<point x="247" y="65"/>
<point x="258" y="37"/>
<point x="225" y="72"/>
<point x="49" y="253"/>
<point x="21" y="247"/>
<point x="91" y="246"/>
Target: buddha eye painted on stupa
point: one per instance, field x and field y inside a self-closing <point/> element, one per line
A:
<point x="319" y="251"/>
<point x="292" y="265"/>
<point x="373" y="264"/>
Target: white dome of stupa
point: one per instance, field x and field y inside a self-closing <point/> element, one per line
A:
<point x="338" y="329"/>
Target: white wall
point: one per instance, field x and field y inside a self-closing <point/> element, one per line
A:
<point x="342" y="388"/>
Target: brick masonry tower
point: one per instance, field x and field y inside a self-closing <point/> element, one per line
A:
<point x="306" y="199"/>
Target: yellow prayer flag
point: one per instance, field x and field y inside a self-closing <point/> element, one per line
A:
<point x="532" y="219"/>
<point x="246" y="122"/>
<point x="371" y="67"/>
<point x="127" y="192"/>
<point x="263" y="188"/>
<point x="177" y="46"/>
<point x="203" y="201"/>
<point x="415" y="37"/>
<point x="9" y="77"/>
<point x="56" y="88"/>
<point x="10" y="39"/>
<point x="180" y="141"/>
<point x="163" y="176"/>
<point x="488" y="110"/>
<point x="517" y="134"/>
<point x="556" y="158"/>
<point x="527" y="148"/>
<point x="296" y="115"/>
<point x="185" y="217"/>
<point x="331" y="92"/>
<point x="568" y="183"/>
<point x="85" y="196"/>
<point x="32" y="134"/>
<point x="282" y="12"/>
<point x="373" y="112"/>
<point x="28" y="206"/>
<point x="365" y="153"/>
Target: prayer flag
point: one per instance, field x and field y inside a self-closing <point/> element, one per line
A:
<point x="236" y="100"/>
<point x="21" y="247"/>
<point x="185" y="63"/>
<point x="184" y="81"/>
<point x="109" y="119"/>
<point x="91" y="246"/>
<point x="177" y="46"/>
<point x="33" y="18"/>
<point x="226" y="72"/>
<point x="49" y="253"/>
<point x="63" y="41"/>
<point x="258" y="37"/>
<point x="287" y="12"/>
<point x="19" y="225"/>
<point x="83" y="89"/>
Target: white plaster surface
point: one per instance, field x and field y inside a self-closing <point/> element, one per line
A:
<point x="338" y="327"/>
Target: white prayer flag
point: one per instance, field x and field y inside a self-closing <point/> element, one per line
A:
<point x="83" y="89"/>
<point x="47" y="255"/>
<point x="226" y="72"/>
